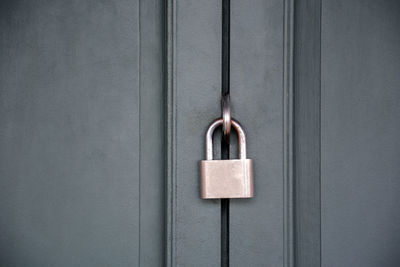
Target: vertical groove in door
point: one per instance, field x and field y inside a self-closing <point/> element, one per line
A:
<point x="307" y="132"/>
<point x="139" y="63"/>
<point x="225" y="85"/>
<point x="288" y="110"/>
<point x="151" y="133"/>
<point x="170" y="142"/>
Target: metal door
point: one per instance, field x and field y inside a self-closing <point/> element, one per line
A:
<point x="81" y="141"/>
<point x="104" y="107"/>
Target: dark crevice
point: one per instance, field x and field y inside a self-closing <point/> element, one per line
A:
<point x="225" y="86"/>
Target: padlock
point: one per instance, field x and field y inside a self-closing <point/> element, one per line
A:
<point x="232" y="178"/>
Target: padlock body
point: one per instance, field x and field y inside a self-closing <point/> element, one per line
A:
<point x="226" y="178"/>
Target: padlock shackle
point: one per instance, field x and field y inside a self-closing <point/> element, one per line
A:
<point x="240" y="133"/>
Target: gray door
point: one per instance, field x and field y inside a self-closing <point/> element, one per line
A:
<point x="81" y="141"/>
<point x="104" y="107"/>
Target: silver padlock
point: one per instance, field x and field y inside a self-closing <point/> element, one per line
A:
<point x="231" y="178"/>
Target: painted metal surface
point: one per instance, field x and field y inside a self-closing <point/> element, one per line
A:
<point x="306" y="133"/>
<point x="193" y="100"/>
<point x="257" y="96"/>
<point x="104" y="106"/>
<point x="77" y="81"/>
<point x="360" y="129"/>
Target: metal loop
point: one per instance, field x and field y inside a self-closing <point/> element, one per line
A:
<point x="226" y="116"/>
<point x="241" y="138"/>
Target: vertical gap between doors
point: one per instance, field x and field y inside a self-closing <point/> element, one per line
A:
<point x="225" y="90"/>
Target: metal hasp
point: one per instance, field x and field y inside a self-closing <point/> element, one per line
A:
<point x="231" y="178"/>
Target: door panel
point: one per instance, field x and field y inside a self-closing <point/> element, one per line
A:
<point x="194" y="71"/>
<point x="81" y="100"/>
<point x="256" y="225"/>
<point x="152" y="133"/>
<point x="360" y="147"/>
